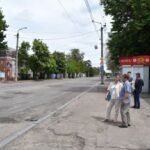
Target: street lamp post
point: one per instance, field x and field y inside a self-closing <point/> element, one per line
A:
<point x="102" y="58"/>
<point x="17" y="45"/>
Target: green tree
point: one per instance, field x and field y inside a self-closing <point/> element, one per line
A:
<point x="50" y="66"/>
<point x="130" y="28"/>
<point x="75" y="62"/>
<point x="78" y="57"/>
<point x="87" y="67"/>
<point x="94" y="71"/>
<point x="3" y="28"/>
<point x="23" y="57"/>
<point x="60" y="62"/>
<point x="71" y="68"/>
<point x="39" y="60"/>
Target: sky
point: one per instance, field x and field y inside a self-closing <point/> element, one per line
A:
<point x="61" y="24"/>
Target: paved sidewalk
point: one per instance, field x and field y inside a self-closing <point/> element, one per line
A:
<point x="80" y="126"/>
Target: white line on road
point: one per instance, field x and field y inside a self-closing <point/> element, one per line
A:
<point x="15" y="135"/>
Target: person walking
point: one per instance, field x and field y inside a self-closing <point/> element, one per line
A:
<point x="125" y="98"/>
<point x="139" y="83"/>
<point x="114" y="89"/>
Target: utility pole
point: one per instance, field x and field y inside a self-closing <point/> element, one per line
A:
<point x="17" y="45"/>
<point x="102" y="58"/>
<point x="16" y="67"/>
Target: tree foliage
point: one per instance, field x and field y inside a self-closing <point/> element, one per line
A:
<point x="75" y="62"/>
<point x="51" y="65"/>
<point x="87" y="67"/>
<point x="130" y="28"/>
<point x="23" y="57"/>
<point x="42" y="62"/>
<point x="3" y="28"/>
<point x="40" y="57"/>
<point x="60" y="62"/>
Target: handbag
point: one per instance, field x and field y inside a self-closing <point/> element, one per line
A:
<point x="108" y="96"/>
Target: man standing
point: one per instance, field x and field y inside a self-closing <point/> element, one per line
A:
<point x="125" y="97"/>
<point x="131" y="81"/>
<point x="130" y="77"/>
<point x="139" y="83"/>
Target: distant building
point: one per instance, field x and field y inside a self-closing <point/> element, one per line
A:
<point x="7" y="64"/>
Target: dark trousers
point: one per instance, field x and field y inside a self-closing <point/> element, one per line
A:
<point x="136" y="99"/>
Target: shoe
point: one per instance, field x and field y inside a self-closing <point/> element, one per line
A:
<point x="123" y="126"/>
<point x="129" y="125"/>
<point x="106" y="120"/>
<point x="133" y="107"/>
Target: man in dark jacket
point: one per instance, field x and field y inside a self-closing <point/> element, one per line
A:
<point x="139" y="83"/>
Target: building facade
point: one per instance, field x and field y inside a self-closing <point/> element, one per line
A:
<point x="7" y="64"/>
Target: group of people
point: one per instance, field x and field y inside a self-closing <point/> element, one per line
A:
<point x="119" y="94"/>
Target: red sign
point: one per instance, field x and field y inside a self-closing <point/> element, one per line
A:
<point x="135" y="60"/>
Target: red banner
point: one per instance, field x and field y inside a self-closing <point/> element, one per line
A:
<point x="135" y="60"/>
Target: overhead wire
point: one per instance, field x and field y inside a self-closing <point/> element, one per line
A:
<point x="67" y="14"/>
<point x="59" y="38"/>
<point x="40" y="33"/>
<point x="91" y="16"/>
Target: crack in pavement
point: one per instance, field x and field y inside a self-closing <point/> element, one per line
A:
<point x="121" y="148"/>
<point x="78" y="140"/>
<point x="54" y="132"/>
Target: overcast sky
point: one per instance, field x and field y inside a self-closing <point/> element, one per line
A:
<point x="48" y="20"/>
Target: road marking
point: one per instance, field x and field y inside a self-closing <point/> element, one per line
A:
<point x="15" y="135"/>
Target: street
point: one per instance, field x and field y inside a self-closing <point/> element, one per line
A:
<point x="57" y="63"/>
<point x="22" y="101"/>
<point x="66" y="115"/>
<point x="25" y="102"/>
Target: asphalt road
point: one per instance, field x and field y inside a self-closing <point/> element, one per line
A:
<point x="23" y="103"/>
<point x="31" y="100"/>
